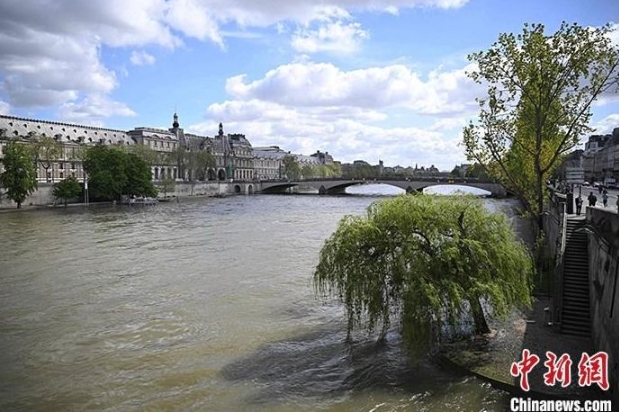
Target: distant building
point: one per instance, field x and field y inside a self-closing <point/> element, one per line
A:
<point x="235" y="158"/>
<point x="600" y="159"/>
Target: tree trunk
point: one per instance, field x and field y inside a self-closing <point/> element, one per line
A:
<point x="18" y="205"/>
<point x="481" y="326"/>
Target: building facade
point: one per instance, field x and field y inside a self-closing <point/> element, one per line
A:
<point x="600" y="159"/>
<point x="232" y="155"/>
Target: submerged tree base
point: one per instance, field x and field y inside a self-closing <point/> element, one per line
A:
<point x="424" y="260"/>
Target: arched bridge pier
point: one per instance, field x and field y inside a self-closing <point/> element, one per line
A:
<point x="338" y="186"/>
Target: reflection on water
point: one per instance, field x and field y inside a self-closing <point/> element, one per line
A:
<point x="202" y="305"/>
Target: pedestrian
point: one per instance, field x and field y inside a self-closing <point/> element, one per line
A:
<point x="578" y="205"/>
<point x="605" y="198"/>
<point x="592" y="199"/>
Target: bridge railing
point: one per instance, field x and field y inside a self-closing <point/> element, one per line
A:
<point x="437" y="179"/>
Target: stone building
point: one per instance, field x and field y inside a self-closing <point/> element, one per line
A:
<point x="234" y="156"/>
<point x="72" y="137"/>
<point x="600" y="159"/>
<point x="268" y="162"/>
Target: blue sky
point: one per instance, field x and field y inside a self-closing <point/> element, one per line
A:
<point x="361" y="79"/>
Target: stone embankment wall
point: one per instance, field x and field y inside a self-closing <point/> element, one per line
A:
<point x="43" y="195"/>
<point x="555" y="221"/>
<point x="603" y="280"/>
<point x="184" y="189"/>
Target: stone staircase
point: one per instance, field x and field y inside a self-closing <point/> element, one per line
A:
<point x="575" y="317"/>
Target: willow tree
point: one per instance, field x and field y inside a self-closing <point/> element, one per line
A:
<point x="426" y="260"/>
<point x="540" y="89"/>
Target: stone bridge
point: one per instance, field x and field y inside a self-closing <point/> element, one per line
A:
<point x="339" y="185"/>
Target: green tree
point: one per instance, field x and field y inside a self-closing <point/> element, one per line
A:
<point x="540" y="89"/>
<point x="201" y="162"/>
<point x="167" y="185"/>
<point x="147" y="154"/>
<point x="308" y="172"/>
<point x="66" y="189"/>
<point x="456" y="172"/>
<point x="476" y="171"/>
<point x="193" y="162"/>
<point x="113" y="172"/>
<point x="428" y="260"/>
<point x="139" y="177"/>
<point x="19" y="178"/>
<point x="47" y="150"/>
<point x="291" y="167"/>
<point x="105" y="167"/>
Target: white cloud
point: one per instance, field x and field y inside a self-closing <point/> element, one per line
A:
<point x="5" y="108"/>
<point x="308" y="106"/>
<point x="338" y="37"/>
<point x="344" y="132"/>
<point x="141" y="58"/>
<point x="51" y="58"/>
<point x="323" y="84"/>
<point x="195" y="19"/>
<point x="93" y="108"/>
<point x="607" y="124"/>
<point x="614" y="34"/>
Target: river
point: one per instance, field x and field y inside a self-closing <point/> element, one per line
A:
<point x="205" y="304"/>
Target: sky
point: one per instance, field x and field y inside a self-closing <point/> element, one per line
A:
<point x="360" y="79"/>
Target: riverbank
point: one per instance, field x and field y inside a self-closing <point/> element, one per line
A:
<point x="490" y="357"/>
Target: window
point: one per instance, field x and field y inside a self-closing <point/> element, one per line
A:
<point x="61" y="166"/>
<point x="61" y="175"/>
<point x="73" y="164"/>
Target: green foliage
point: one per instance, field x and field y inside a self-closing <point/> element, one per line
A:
<point x="67" y="188"/>
<point x="138" y="177"/>
<point x="456" y="172"/>
<point x="167" y="185"/>
<point x="361" y="172"/>
<point x="309" y="172"/>
<point x="540" y="89"/>
<point x="113" y="172"/>
<point x="291" y="167"/>
<point x="476" y="171"/>
<point x="147" y="154"/>
<point x="427" y="259"/>
<point x="46" y="151"/>
<point x="194" y="161"/>
<point x="19" y="178"/>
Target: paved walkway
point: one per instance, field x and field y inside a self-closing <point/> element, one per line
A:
<point x="490" y="357"/>
<point x="613" y="194"/>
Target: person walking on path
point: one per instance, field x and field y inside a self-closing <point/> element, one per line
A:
<point x="605" y="198"/>
<point x="579" y="204"/>
<point x="592" y="199"/>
